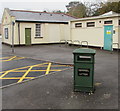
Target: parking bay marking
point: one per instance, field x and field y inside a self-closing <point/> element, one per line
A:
<point x="26" y="72"/>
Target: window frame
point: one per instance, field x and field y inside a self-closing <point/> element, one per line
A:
<point x="6" y="33"/>
<point x="90" y="24"/>
<point x="38" y="31"/>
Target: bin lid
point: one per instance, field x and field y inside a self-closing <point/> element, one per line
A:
<point x="84" y="51"/>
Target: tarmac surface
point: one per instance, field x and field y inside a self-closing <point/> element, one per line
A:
<point x="17" y="69"/>
<point x="55" y="91"/>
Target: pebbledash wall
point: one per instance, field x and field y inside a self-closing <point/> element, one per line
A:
<point x="92" y="29"/>
<point x="51" y="32"/>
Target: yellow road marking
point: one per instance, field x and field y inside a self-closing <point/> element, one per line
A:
<point x="55" y="66"/>
<point x="17" y="58"/>
<point x="4" y="74"/>
<point x="10" y="59"/>
<point x="21" y="79"/>
<point x="47" y="65"/>
<point x="23" y="67"/>
<point x="6" y="57"/>
<point x="17" y="78"/>
<point x="38" y="65"/>
<point x="98" y="84"/>
<point x="48" y="68"/>
<point x="28" y="72"/>
<point x="35" y="70"/>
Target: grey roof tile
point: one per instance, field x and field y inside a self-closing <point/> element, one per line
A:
<point x="40" y="16"/>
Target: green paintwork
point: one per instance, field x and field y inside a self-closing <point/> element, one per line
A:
<point x="84" y="61"/>
<point x="84" y="51"/>
<point x="27" y="36"/>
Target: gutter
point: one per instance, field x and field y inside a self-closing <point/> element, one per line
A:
<point x="30" y="21"/>
<point x="95" y="17"/>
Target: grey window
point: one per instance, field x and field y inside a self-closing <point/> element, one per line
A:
<point x="38" y="30"/>
<point x="78" y="25"/>
<point x="6" y="33"/>
<point x="90" y="24"/>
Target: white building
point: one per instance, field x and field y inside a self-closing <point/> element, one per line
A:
<point x="31" y="27"/>
<point x="100" y="31"/>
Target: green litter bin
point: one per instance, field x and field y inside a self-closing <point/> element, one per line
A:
<point x="84" y="69"/>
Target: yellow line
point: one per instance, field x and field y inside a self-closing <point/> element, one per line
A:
<point x="6" y="57"/>
<point x="27" y="73"/>
<point x="29" y="77"/>
<point x="21" y="79"/>
<point x="10" y="58"/>
<point x="19" y="58"/>
<point x="23" y="67"/>
<point x="16" y="58"/>
<point x="56" y="66"/>
<point x="44" y="70"/>
<point x="35" y="70"/>
<point x="48" y="68"/>
<point x="4" y="74"/>
<point x="18" y="78"/>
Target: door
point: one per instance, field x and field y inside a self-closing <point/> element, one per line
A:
<point x="108" y="34"/>
<point x="27" y="36"/>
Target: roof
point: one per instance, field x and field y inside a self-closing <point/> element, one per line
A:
<point x="106" y="15"/>
<point x="23" y="15"/>
<point x="109" y="13"/>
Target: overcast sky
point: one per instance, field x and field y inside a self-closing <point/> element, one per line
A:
<point x="39" y="5"/>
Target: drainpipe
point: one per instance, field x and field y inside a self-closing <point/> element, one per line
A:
<point x="13" y="23"/>
<point x="19" y="32"/>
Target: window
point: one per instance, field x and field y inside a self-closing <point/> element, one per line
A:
<point x="78" y="25"/>
<point x="90" y="24"/>
<point x="6" y="33"/>
<point x="119" y="22"/>
<point x="38" y="30"/>
<point x="108" y="22"/>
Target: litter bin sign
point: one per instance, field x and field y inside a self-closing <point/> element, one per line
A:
<point x="84" y="69"/>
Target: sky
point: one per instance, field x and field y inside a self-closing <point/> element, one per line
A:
<point x="38" y="5"/>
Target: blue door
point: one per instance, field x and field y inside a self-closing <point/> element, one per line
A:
<point x="108" y="33"/>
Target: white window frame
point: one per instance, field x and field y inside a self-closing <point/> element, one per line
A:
<point x="38" y="31"/>
<point x="6" y="33"/>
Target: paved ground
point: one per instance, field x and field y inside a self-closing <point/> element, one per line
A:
<point x="44" y="52"/>
<point x="55" y="91"/>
